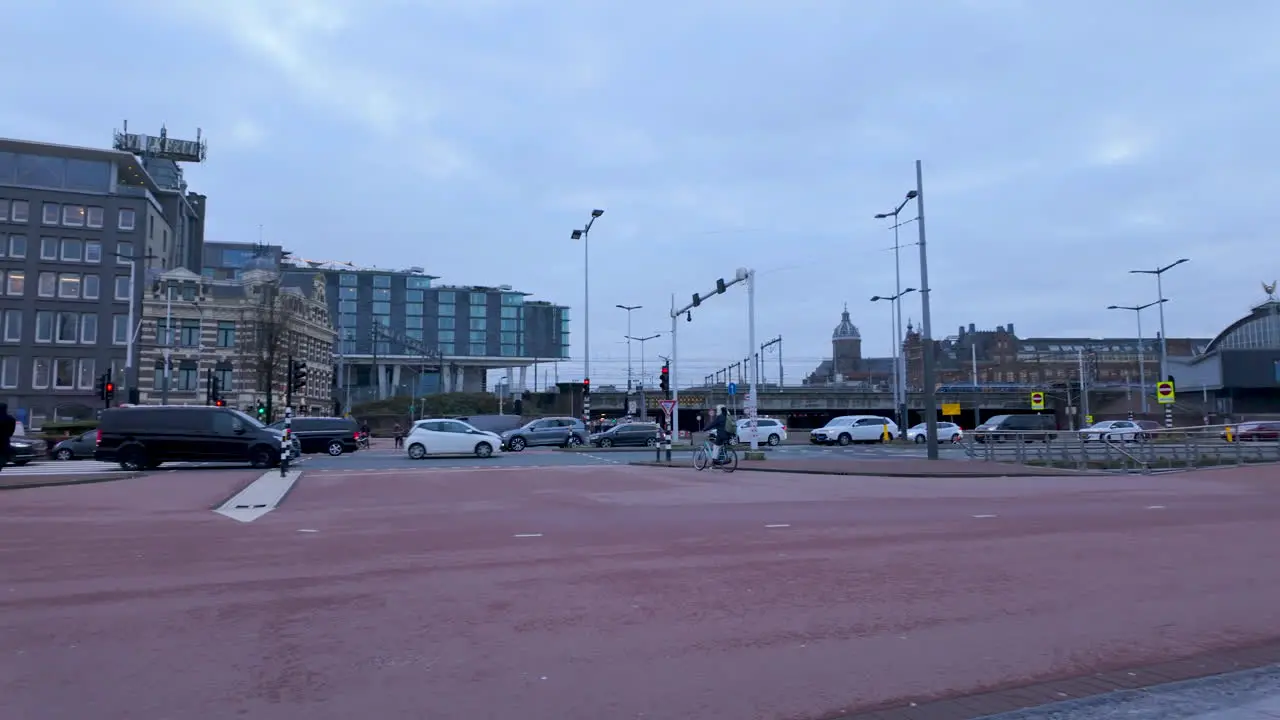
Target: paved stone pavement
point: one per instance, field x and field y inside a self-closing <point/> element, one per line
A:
<point x="884" y="467"/>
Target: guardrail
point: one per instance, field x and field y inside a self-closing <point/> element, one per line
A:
<point x="1137" y="450"/>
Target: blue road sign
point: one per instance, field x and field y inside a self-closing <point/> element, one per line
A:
<point x="733" y="388"/>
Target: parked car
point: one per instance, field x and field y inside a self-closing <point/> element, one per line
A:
<point x="560" y="432"/>
<point x="1259" y="431"/>
<point x="144" y="436"/>
<point x="1114" y="431"/>
<point x="947" y="432"/>
<point x="765" y="431"/>
<point x="445" y="436"/>
<point x="332" y="435"/>
<point x="853" y="428"/>
<point x="78" y="447"/>
<point x="1013" y="428"/>
<point x="628" y="434"/>
<point x="24" y="450"/>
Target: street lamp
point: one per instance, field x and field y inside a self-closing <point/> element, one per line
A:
<point x="899" y="382"/>
<point x="1160" y="299"/>
<point x="1142" y="360"/>
<point x="629" y="308"/>
<point x="899" y="374"/>
<point x="584" y="236"/>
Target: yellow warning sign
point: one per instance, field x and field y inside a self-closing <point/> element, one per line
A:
<point x="950" y="409"/>
<point x="1037" y="400"/>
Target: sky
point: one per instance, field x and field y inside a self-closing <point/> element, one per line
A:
<point x="1063" y="144"/>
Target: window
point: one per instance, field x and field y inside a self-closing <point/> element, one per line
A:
<point x="9" y="369"/>
<point x="417" y="282"/>
<point x="68" y="285"/>
<point x="93" y="251"/>
<point x="20" y="211"/>
<point x="15" y="283"/>
<point x="89" y="329"/>
<point x="52" y="213"/>
<point x="89" y="290"/>
<point x="223" y="374"/>
<point x="47" y="284"/>
<point x="413" y="296"/>
<point x="447" y="310"/>
<point x="44" y="326"/>
<point x="381" y="294"/>
<point x="382" y="348"/>
<point x="124" y="252"/>
<point x="85" y="375"/>
<point x="445" y="297"/>
<point x="17" y="246"/>
<point x="48" y="248"/>
<point x="509" y="351"/>
<point x="348" y="280"/>
<point x="414" y="334"/>
<point x="509" y="338"/>
<point x="445" y="323"/>
<point x="477" y="349"/>
<point x="94" y="217"/>
<point x="121" y="288"/>
<point x="72" y="250"/>
<point x="188" y="378"/>
<point x="446" y="336"/>
<point x="73" y="215"/>
<point x="126" y="219"/>
<point x="13" y="326"/>
<point x="478" y="336"/>
<point x="477" y="324"/>
<point x="189" y="333"/>
<point x="510" y="324"/>
<point x="446" y="348"/>
<point x="347" y="306"/>
<point x="382" y="320"/>
<point x="164" y="333"/>
<point x="382" y="308"/>
<point x="4" y="209"/>
<point x="67" y="327"/>
<point x="64" y="374"/>
<point x="120" y="329"/>
<point x="512" y="299"/>
<point x="226" y="333"/>
<point x="510" y="312"/>
<point x="413" y="310"/>
<point x="40" y="370"/>
<point x="382" y="281"/>
<point x="348" y="293"/>
<point x="413" y="322"/>
<point x="347" y="321"/>
<point x="158" y="375"/>
<point x="478" y="311"/>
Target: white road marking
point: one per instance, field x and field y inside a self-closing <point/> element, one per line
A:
<point x="527" y="535"/>
<point x="260" y="497"/>
<point x="778" y="525"/>
<point x="984" y="516"/>
<point x="307" y="530"/>
<point x="1155" y="507"/>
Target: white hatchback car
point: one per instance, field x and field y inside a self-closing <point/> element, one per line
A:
<point x="766" y="431"/>
<point x="1113" y="431"/>
<point x="853" y="428"/>
<point x="444" y="436"/>
<point x="947" y="432"/>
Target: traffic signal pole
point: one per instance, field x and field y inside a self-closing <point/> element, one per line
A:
<point x="288" y="384"/>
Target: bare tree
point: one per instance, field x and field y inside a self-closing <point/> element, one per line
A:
<point x="268" y="334"/>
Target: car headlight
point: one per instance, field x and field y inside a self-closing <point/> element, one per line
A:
<point x="20" y="444"/>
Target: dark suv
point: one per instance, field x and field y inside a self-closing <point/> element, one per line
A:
<point x="143" y="437"/>
<point x="332" y="435"/>
<point x="561" y="432"/>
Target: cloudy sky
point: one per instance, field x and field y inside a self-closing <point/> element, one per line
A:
<point x="1064" y="143"/>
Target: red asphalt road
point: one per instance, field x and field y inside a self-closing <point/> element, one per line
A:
<point x="651" y="593"/>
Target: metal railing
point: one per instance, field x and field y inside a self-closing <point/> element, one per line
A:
<point x="1145" y="450"/>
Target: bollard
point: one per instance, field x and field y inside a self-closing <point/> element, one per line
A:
<point x="657" y="447"/>
<point x="884" y="434"/>
<point x="1229" y="433"/>
<point x="286" y="442"/>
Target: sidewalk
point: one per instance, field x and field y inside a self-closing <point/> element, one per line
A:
<point x="19" y="482"/>
<point x="890" y="467"/>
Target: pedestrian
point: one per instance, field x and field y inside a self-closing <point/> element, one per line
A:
<point x="8" y="426"/>
<point x="399" y="432"/>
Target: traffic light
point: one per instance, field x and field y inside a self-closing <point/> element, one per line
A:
<point x="586" y="386"/>
<point x="108" y="391"/>
<point x="100" y="387"/>
<point x="299" y="374"/>
<point x="215" y="390"/>
<point x="220" y="402"/>
<point x="262" y="411"/>
<point x="664" y="380"/>
<point x="720" y="286"/>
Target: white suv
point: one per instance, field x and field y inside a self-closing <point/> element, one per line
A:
<point x="766" y="431"/>
<point x="854" y="428"/>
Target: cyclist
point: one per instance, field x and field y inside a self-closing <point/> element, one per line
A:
<point x="718" y="433"/>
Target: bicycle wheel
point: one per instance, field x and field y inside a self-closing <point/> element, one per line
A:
<point x="700" y="459"/>
<point x="730" y="462"/>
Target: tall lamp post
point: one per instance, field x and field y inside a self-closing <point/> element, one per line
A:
<point x="1142" y="359"/>
<point x="1164" y="343"/>
<point x="629" y="308"/>
<point x="644" y="409"/>
<point x="899" y="373"/>
<point x="584" y="235"/>
<point x="899" y="392"/>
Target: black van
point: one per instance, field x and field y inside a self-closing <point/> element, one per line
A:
<point x="1017" y="428"/>
<point x="143" y="437"/>
<point x="333" y="435"/>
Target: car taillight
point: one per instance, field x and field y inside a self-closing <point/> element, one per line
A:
<point x="784" y="428"/>
<point x="98" y="438"/>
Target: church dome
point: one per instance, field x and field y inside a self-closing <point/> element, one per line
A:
<point x="846" y="330"/>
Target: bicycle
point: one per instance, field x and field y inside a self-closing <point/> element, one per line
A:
<point x="702" y="457"/>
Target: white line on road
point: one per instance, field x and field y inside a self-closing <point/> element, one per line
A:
<point x="307" y="530"/>
<point x="261" y="497"/>
<point x="984" y="516"/>
<point x="778" y="525"/>
<point x="1155" y="507"/>
<point x="527" y="535"/>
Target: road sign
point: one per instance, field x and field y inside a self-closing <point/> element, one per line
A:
<point x="1164" y="392"/>
<point x="1037" y="400"/>
<point x="733" y="388"/>
<point x="950" y="409"/>
<point x="1088" y="419"/>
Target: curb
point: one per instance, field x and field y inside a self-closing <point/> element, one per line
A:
<point x="871" y="473"/>
<point x="84" y="480"/>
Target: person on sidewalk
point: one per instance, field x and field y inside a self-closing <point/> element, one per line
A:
<point x="399" y="433"/>
<point x="8" y="426"/>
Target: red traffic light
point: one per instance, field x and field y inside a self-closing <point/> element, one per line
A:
<point x="221" y="403"/>
<point x="111" y="387"/>
<point x="664" y="370"/>
<point x="586" y="382"/>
